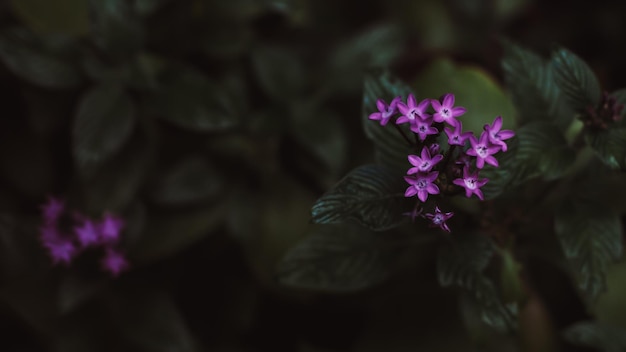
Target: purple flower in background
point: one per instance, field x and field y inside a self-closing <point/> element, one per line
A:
<point x="422" y="185"/>
<point x="424" y="163"/>
<point x="87" y="234"/>
<point x="496" y="136"/>
<point x="483" y="150"/>
<point x="471" y="183"/>
<point x="110" y="228"/>
<point x="385" y="111"/>
<point x="438" y="219"/>
<point x="434" y="149"/>
<point x="60" y="249"/>
<point x="457" y="136"/>
<point x="423" y="128"/>
<point x="52" y="210"/>
<point x="114" y="262"/>
<point x="412" y="112"/>
<point x="445" y="110"/>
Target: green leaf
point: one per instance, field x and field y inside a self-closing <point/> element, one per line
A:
<point x="190" y="100"/>
<point x="64" y="16"/>
<point x="391" y="148"/>
<point x="116" y="27"/>
<point x="371" y="195"/>
<point x="279" y="72"/>
<point x="337" y="259"/>
<point x="30" y="60"/>
<point x="542" y="150"/>
<point x="576" y="80"/>
<point x="189" y="181"/>
<point x="591" y="237"/>
<point x="530" y="80"/>
<point x="103" y="123"/>
<point x="461" y="264"/>
<point x="609" y="145"/>
<point x="596" y="335"/>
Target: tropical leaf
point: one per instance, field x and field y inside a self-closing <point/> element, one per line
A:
<point x="576" y="80"/>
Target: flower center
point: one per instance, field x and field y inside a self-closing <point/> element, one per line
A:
<point x="421" y="184"/>
<point x="388" y="112"/>
<point x="413" y="114"/>
<point x="445" y="112"/>
<point x="425" y="165"/>
<point x="482" y="151"/>
<point x="422" y="129"/>
<point x="437" y="219"/>
<point x="470" y="183"/>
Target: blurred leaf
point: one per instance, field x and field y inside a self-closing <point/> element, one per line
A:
<point x="189" y="181"/>
<point x="371" y="195"/>
<point x="510" y="279"/>
<point x="61" y="16"/>
<point x="609" y="145"/>
<point x="391" y="148"/>
<point x="228" y="40"/>
<point x="104" y="122"/>
<point x="461" y="264"/>
<point x="542" y="151"/>
<point x="116" y="28"/>
<point x="147" y="7"/>
<point x="337" y="259"/>
<point x="280" y="72"/>
<point x="473" y="88"/>
<point x="530" y="80"/>
<point x="75" y="290"/>
<point x="32" y="61"/>
<point x="190" y="100"/>
<point x="591" y="237"/>
<point x="576" y="80"/>
<point x="596" y="335"/>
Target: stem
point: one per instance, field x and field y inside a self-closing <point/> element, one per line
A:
<point x="406" y="138"/>
<point x="448" y="156"/>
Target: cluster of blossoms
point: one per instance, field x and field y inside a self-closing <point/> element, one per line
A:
<point x="65" y="237"/>
<point x="436" y="171"/>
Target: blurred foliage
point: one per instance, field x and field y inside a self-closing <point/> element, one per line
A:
<point x="213" y="126"/>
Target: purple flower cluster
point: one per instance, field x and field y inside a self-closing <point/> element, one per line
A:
<point x="454" y="169"/>
<point x="64" y="243"/>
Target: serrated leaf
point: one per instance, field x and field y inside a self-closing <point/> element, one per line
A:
<point x="530" y="79"/>
<point x="371" y="195"/>
<point x="609" y="145"/>
<point x="576" y="80"/>
<point x="591" y="237"/>
<point x="337" y="259"/>
<point x="390" y="147"/>
<point x="30" y="60"/>
<point x="103" y="123"/>
<point x="542" y="150"/>
<point x="64" y="16"/>
<point x="190" y="100"/>
<point x="596" y="335"/>
<point x="279" y="71"/>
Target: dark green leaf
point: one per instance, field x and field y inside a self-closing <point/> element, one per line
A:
<point x="337" y="259"/>
<point x="370" y="195"/>
<point x="461" y="264"/>
<point x="576" y="80"/>
<point x="116" y="27"/>
<point x="103" y="123"/>
<point x="75" y="290"/>
<point x="280" y="72"/>
<point x="599" y="336"/>
<point x="63" y="16"/>
<point x="530" y="80"/>
<point x="391" y="148"/>
<point x="189" y="181"/>
<point x="591" y="237"/>
<point x="610" y="145"/>
<point x="190" y="100"/>
<point x="30" y="60"/>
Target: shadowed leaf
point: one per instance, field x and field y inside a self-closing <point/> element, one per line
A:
<point x="576" y="80"/>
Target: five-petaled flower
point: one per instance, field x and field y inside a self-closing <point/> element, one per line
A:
<point x="457" y="136"/>
<point x="114" y="262"/>
<point x="483" y="150"/>
<point x="385" y="112"/>
<point x="496" y="136"/>
<point x="438" y="219"/>
<point x="424" y="163"/>
<point x="445" y="110"/>
<point x="412" y="112"/>
<point x="471" y="183"/>
<point x="422" y="185"/>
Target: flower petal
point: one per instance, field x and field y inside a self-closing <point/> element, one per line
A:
<point x="410" y="192"/>
<point x="422" y="195"/>
<point x="403" y="108"/>
<point x="432" y="188"/>
<point x="380" y="104"/>
<point x="479" y="194"/>
<point x="402" y="119"/>
<point x="497" y="123"/>
<point x="411" y="103"/>
<point x="480" y="162"/>
<point x="491" y="160"/>
<point x="459" y="182"/>
<point x="458" y="111"/>
<point x="506" y="134"/>
<point x="423" y="105"/>
<point x="448" y="100"/>
<point x="435" y="104"/>
<point x="437" y="158"/>
<point x="415" y="160"/>
<point x="375" y="116"/>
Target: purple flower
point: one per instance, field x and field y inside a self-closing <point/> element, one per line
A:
<point x="496" y="136"/>
<point x="483" y="151"/>
<point x="87" y="234"/>
<point x="385" y="111"/>
<point x="424" y="163"/>
<point x="438" y="219"/>
<point x="52" y="210"/>
<point x="422" y="185"/>
<point x="471" y="183"/>
<point x="423" y="128"/>
<point x="445" y="111"/>
<point x="110" y="228"/>
<point x="434" y="148"/>
<point x="60" y="249"/>
<point x="412" y="112"/>
<point x="457" y="137"/>
<point x="114" y="262"/>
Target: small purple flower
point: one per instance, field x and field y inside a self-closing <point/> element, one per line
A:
<point x="483" y="150"/>
<point x="457" y="136"/>
<point x="412" y="112"/>
<point x="438" y="219"/>
<point x="424" y="163"/>
<point x="52" y="210"/>
<point x="471" y="183"/>
<point x="60" y="249"/>
<point x="114" y="262"/>
<point x="445" y="111"/>
<point x="385" y="111"/>
<point x="422" y="185"/>
<point x="87" y="234"/>
<point x="423" y="128"/>
<point x="110" y="228"/>
<point x="434" y="149"/>
<point x="496" y="136"/>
